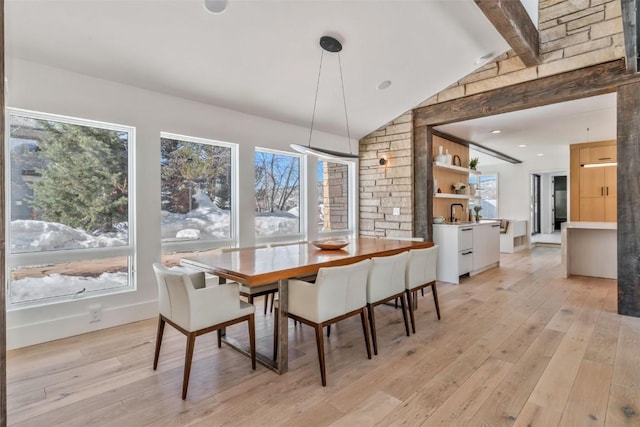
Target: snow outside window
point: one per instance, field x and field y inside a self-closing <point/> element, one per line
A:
<point x="68" y="207"/>
<point x="278" y="193"/>
<point x="197" y="193"/>
<point x="486" y="194"/>
<point x="333" y="196"/>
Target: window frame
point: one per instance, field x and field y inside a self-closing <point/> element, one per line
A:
<point x="26" y="259"/>
<point x="303" y="202"/>
<point x="184" y="246"/>
<point x="479" y="198"/>
<point x="351" y="203"/>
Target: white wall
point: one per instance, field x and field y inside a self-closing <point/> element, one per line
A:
<point x="41" y="88"/>
<point x="514" y="187"/>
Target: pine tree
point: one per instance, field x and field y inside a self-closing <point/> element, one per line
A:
<point x="85" y="178"/>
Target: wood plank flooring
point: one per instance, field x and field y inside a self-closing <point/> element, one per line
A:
<point x="516" y="346"/>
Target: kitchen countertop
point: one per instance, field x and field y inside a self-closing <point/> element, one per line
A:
<point x="466" y="223"/>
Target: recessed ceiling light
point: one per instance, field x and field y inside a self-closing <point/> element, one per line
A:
<point x="496" y="131"/>
<point x="383" y="85"/>
<point x="540" y="154"/>
<point x="215" y="6"/>
<point x="522" y="145"/>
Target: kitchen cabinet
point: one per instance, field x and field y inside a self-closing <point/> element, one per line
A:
<point x="598" y="194"/>
<point x="466" y="249"/>
<point x="601" y="154"/>
<point x="486" y="246"/>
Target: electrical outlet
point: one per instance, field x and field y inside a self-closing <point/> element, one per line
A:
<point x="396" y="211"/>
<point x="95" y="313"/>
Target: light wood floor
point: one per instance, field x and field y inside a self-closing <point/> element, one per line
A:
<point x="516" y="345"/>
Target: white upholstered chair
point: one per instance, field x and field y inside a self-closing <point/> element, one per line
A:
<point x="194" y="309"/>
<point x="386" y="281"/>
<point x="338" y="293"/>
<point x="420" y="273"/>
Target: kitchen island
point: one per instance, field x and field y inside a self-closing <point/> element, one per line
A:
<point x="590" y="249"/>
<point x="466" y="248"/>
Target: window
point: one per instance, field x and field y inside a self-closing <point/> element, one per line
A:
<point x="486" y="194"/>
<point x="277" y="192"/>
<point x="68" y="206"/>
<point x="333" y="196"/>
<point x="197" y="193"/>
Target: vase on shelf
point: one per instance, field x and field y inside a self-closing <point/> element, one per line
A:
<point x="440" y="158"/>
<point x="447" y="158"/>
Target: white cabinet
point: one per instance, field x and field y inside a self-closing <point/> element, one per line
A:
<point x="486" y="246"/>
<point x="466" y="249"/>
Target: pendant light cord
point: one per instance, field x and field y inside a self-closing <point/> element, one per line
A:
<point x="344" y="102"/>
<point x="315" y="101"/>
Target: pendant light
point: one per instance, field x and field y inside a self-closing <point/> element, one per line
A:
<point x="332" y="45"/>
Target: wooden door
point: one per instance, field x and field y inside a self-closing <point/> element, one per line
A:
<point x="611" y="194"/>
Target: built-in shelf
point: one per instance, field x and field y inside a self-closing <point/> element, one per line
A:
<point x="458" y="169"/>
<point x="452" y="196"/>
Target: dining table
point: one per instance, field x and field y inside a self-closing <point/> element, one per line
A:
<point x="259" y="266"/>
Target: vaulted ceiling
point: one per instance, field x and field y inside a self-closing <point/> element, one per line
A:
<point x="262" y="57"/>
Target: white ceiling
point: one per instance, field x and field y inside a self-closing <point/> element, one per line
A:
<point x="544" y="130"/>
<point x="262" y="57"/>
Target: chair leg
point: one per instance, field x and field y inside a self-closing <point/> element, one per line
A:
<point x="404" y="314"/>
<point x="435" y="298"/>
<point x="266" y="303"/>
<point x="422" y="290"/>
<point x="275" y="334"/>
<point x="161" y="323"/>
<point x="411" y="310"/>
<point x="219" y="332"/>
<point x="372" y="326"/>
<point x="252" y="340"/>
<point x="320" y="344"/>
<point x="191" y="343"/>
<point x="328" y="330"/>
<point x="273" y="297"/>
<point x="365" y="327"/>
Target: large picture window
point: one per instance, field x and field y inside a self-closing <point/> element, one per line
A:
<point x="333" y="196"/>
<point x="197" y="192"/>
<point x="277" y="192"/>
<point x="68" y="207"/>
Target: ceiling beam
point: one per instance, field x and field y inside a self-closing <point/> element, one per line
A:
<point x="514" y="24"/>
<point x="476" y="146"/>
<point x="585" y="82"/>
<point x="630" y="29"/>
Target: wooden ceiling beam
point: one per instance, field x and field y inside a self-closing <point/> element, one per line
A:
<point x="514" y="24"/>
<point x="630" y="30"/>
<point x="585" y="82"/>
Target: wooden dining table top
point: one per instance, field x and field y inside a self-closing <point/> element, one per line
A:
<point x="256" y="266"/>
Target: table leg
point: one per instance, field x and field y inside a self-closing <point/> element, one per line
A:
<point x="283" y="325"/>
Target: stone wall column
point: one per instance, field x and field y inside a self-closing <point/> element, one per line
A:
<point x="628" y="104"/>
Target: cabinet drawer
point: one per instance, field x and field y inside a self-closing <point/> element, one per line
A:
<point x="465" y="262"/>
<point x="465" y="238"/>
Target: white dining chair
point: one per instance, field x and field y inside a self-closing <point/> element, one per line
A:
<point x="194" y="309"/>
<point x="386" y="282"/>
<point x="420" y="273"/>
<point x="338" y="293"/>
<point x="252" y="292"/>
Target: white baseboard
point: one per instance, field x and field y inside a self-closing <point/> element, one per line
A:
<point x="36" y="333"/>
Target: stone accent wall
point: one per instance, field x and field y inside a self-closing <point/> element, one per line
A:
<point x="383" y="188"/>
<point x="573" y="34"/>
<point x="335" y="195"/>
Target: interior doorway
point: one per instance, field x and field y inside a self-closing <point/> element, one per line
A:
<point x="548" y="206"/>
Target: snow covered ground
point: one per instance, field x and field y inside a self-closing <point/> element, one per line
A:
<point x="207" y="222"/>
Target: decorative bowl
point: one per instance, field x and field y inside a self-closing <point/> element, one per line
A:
<point x="438" y="220"/>
<point x="330" y="244"/>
